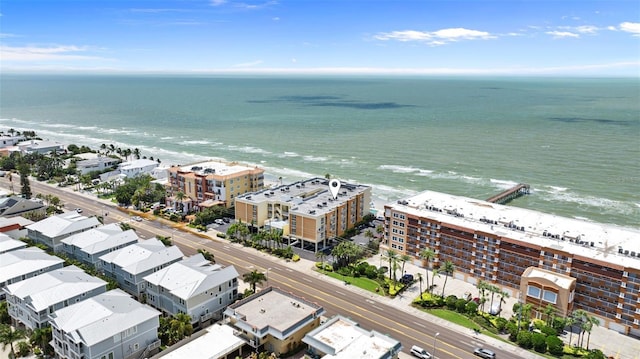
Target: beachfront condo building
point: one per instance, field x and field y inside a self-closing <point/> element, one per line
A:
<point x="211" y="183"/>
<point x="541" y="258"/>
<point x="306" y="211"/>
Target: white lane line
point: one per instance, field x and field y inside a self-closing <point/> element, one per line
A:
<point x="419" y="324"/>
<point x="308" y="280"/>
<point x="339" y="292"/>
<point x="378" y="308"/>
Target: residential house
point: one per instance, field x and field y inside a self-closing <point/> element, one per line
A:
<point x="497" y="243"/>
<point x="9" y="244"/>
<point x="342" y="338"/>
<point x="273" y="319"/>
<point x="40" y="146"/>
<point x="32" y="300"/>
<point x="193" y="286"/>
<point x="214" y="342"/>
<point x="314" y="216"/>
<point x="137" y="167"/>
<point x="129" y="265"/>
<point x="89" y="246"/>
<point x="211" y="183"/>
<point x="17" y="206"/>
<point x="52" y="230"/>
<point x="97" y="164"/>
<point x="15" y="227"/>
<point x="24" y="263"/>
<point x="111" y="325"/>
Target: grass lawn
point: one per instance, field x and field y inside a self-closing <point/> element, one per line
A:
<point x="360" y="282"/>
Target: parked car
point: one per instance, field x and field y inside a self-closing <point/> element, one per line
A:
<point x="484" y="353"/>
<point x="417" y="351"/>
<point x="406" y="279"/>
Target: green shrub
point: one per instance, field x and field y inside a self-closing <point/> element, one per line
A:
<point x="319" y="265"/>
<point x="539" y="342"/>
<point x="461" y="305"/>
<point x="501" y="324"/>
<point x="512" y="328"/>
<point x="524" y="339"/>
<point x="371" y="272"/>
<point x="554" y="345"/>
<point x="221" y="235"/>
<point x="295" y="258"/>
<point x="471" y="307"/>
<point x="451" y="302"/>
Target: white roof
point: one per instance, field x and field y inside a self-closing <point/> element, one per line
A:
<point x="139" y="163"/>
<point x="562" y="281"/>
<point x="24" y="261"/>
<point x="216" y="168"/>
<point x="573" y="235"/>
<point x="54" y="287"/>
<point x="62" y="224"/>
<point x="21" y="221"/>
<point x="143" y="256"/>
<point x="102" y="316"/>
<point x="217" y="341"/>
<point x="340" y="337"/>
<point x="101" y="238"/>
<point x="191" y="276"/>
<point x="8" y="244"/>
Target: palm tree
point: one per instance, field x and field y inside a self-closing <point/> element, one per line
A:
<point x="254" y="277"/>
<point x="502" y="294"/>
<point x="434" y="273"/>
<point x="591" y="320"/>
<point x="404" y="259"/>
<point x="579" y="317"/>
<point x="482" y="287"/>
<point x="136" y="153"/>
<point x="447" y="268"/>
<point x="392" y="255"/>
<point x="8" y="335"/>
<point x="427" y="255"/>
<point x="321" y="255"/>
<point x="569" y="322"/>
<point x="179" y="327"/>
<point x="420" y="283"/>
<point x="41" y="338"/>
<point x="493" y="290"/>
<point x="180" y="197"/>
<point x="549" y="312"/>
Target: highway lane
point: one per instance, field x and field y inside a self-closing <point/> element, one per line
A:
<point x="405" y="326"/>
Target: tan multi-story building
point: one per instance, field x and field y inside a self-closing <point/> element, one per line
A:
<point x="537" y="255"/>
<point x="211" y="183"/>
<point x="307" y="210"/>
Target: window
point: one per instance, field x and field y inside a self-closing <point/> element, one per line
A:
<point x="549" y="296"/>
<point x="533" y="292"/>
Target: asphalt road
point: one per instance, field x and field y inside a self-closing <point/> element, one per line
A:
<point x="404" y="326"/>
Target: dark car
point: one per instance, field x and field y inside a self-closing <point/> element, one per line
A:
<point x="484" y="353"/>
<point x="406" y="279"/>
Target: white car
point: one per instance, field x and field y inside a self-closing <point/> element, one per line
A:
<point x="417" y="351"/>
<point x="484" y="353"/>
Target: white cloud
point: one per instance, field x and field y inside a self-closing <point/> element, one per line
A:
<point x="632" y="27"/>
<point x="562" y="34"/>
<point x="435" y="38"/>
<point x="32" y="53"/>
<point x="275" y="18"/>
<point x="587" y="29"/>
<point x="248" y="64"/>
<point x="218" y="2"/>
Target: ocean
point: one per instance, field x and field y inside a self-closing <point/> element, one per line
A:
<point x="575" y="141"/>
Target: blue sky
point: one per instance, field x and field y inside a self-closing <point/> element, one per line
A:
<point x="511" y="37"/>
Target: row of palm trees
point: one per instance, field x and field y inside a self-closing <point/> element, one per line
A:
<point x="585" y="323"/>
<point x="447" y="268"/>
<point x="485" y="288"/>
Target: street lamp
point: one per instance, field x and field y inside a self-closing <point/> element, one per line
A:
<point x="435" y="338"/>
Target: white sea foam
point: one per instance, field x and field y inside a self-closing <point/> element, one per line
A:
<point x="288" y="154"/>
<point x="399" y="169"/>
<point x="503" y="184"/>
<point x="194" y="142"/>
<point x="309" y="158"/>
<point x="248" y="149"/>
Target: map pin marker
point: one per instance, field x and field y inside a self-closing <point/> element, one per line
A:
<point x="334" y="187"/>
